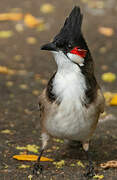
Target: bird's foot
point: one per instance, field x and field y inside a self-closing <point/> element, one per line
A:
<point x="90" y="171"/>
<point x="37" y="168"/>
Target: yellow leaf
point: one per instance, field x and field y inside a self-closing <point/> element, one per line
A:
<point x="29" y="157"/>
<point x="98" y="176"/>
<point x="59" y="164"/>
<point x="19" y="27"/>
<point x="23" y="166"/>
<point x="6" y="131"/>
<point x="106" y="31"/>
<point x="31" y="40"/>
<point x="35" y="92"/>
<point x="108" y="77"/>
<point x="6" y="34"/>
<point x="9" y="83"/>
<point x="29" y="147"/>
<point x="5" y="70"/>
<point x="58" y="140"/>
<point x="47" y="8"/>
<point x="114" y="100"/>
<point x="23" y="86"/>
<point x="79" y="163"/>
<point x="31" y="21"/>
<point x="11" y="16"/>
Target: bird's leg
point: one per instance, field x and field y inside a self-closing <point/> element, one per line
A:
<point x="37" y="168"/>
<point x="90" y="168"/>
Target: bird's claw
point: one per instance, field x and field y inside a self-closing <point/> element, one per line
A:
<point x="37" y="169"/>
<point x="90" y="171"/>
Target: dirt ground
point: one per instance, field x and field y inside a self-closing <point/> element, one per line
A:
<point x="19" y="92"/>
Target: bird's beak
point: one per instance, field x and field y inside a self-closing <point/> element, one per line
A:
<point x="49" y="47"/>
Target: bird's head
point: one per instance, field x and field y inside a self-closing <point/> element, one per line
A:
<point x="69" y="42"/>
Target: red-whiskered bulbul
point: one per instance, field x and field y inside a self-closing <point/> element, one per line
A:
<point x="71" y="103"/>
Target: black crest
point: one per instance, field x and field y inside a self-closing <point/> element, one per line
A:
<point x="71" y="31"/>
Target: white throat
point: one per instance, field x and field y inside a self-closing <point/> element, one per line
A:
<point x="69" y="83"/>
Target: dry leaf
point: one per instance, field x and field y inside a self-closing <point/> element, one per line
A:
<point x="18" y="57"/>
<point x="109" y="164"/>
<point x="79" y="163"/>
<point x="41" y="27"/>
<point x="58" y="140"/>
<point x="31" y="21"/>
<point x="29" y="147"/>
<point x="72" y="165"/>
<point x="35" y="92"/>
<point x="23" y="86"/>
<point x="108" y="97"/>
<point x="108" y="77"/>
<point x="6" y="131"/>
<point x="98" y="176"/>
<point x="114" y="100"/>
<point x="11" y="16"/>
<point x="31" y="40"/>
<point x="106" y="31"/>
<point x="19" y="27"/>
<point x="5" y="70"/>
<point x="29" y="157"/>
<point x="6" y="34"/>
<point x="59" y="164"/>
<point x="23" y="166"/>
<point x="47" y="8"/>
<point x="9" y="83"/>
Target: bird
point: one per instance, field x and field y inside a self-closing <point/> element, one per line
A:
<point x="72" y="101"/>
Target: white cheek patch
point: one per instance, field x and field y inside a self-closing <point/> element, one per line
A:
<point x="76" y="58"/>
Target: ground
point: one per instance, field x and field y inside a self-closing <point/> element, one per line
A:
<point x="19" y="92"/>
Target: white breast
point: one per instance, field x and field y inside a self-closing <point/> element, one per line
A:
<point x="69" y="119"/>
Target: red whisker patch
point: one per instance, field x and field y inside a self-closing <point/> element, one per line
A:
<point x="79" y="52"/>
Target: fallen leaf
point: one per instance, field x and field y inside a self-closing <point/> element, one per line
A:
<point x="79" y="163"/>
<point x="9" y="83"/>
<point x="31" y="40"/>
<point x="113" y="102"/>
<point x="29" y="147"/>
<point x="106" y="31"/>
<point x="72" y="165"/>
<point x="35" y="92"/>
<point x="17" y="58"/>
<point x="11" y="16"/>
<point x="6" y="131"/>
<point x="23" y="86"/>
<point x="108" y="77"/>
<point x="6" y="34"/>
<point x="58" y="140"/>
<point x="47" y="8"/>
<point x="109" y="164"/>
<point x="41" y="27"/>
<point x="59" y="164"/>
<point x="29" y="157"/>
<point x="108" y="97"/>
<point x="98" y="176"/>
<point x="5" y="70"/>
<point x="103" y="50"/>
<point x="19" y="27"/>
<point x="23" y="166"/>
<point x="31" y="21"/>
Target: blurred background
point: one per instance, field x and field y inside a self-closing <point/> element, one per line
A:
<point x="25" y="71"/>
